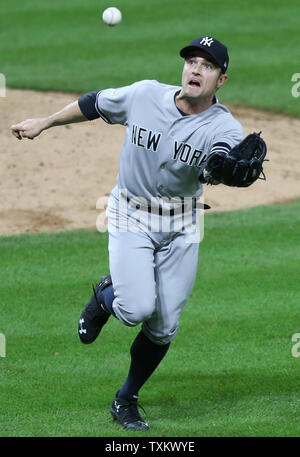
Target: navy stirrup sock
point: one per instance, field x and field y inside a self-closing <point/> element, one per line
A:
<point x="107" y="297"/>
<point x="145" y="357"/>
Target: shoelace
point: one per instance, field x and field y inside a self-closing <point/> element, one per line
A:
<point x="98" y="303"/>
<point x="95" y="295"/>
<point x="131" y="408"/>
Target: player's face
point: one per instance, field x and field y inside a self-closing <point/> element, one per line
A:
<point x="201" y="77"/>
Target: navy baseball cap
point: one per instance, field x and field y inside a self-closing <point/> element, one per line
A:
<point x="216" y="49"/>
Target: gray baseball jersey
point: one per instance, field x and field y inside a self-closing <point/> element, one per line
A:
<point x="163" y="150"/>
<point x="163" y="154"/>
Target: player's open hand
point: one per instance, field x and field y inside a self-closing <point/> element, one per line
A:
<point x="28" y="129"/>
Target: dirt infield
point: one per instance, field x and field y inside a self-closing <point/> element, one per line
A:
<point x="54" y="182"/>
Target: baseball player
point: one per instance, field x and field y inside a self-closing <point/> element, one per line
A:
<point x="171" y="132"/>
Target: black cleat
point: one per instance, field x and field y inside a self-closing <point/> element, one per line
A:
<point x="126" y="413"/>
<point x="94" y="315"/>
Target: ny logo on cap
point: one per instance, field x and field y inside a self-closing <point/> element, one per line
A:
<point x="206" y="41"/>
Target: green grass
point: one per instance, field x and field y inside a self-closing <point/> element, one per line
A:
<point x="66" y="46"/>
<point x="229" y="372"/>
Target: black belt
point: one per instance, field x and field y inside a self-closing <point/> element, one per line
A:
<point x="198" y="205"/>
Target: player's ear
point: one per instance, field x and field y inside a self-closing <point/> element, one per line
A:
<point x="221" y="80"/>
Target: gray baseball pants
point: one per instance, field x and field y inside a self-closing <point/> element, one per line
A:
<point x="153" y="272"/>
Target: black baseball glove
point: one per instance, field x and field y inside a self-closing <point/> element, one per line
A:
<point x="241" y="167"/>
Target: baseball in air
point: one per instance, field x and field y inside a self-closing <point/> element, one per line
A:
<point x="112" y="16"/>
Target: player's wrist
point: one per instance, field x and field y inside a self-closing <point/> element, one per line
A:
<point x="46" y="122"/>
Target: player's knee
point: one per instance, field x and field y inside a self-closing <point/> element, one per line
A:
<point x="142" y="312"/>
<point x="135" y="312"/>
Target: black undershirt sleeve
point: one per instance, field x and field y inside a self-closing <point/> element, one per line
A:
<point x="87" y="104"/>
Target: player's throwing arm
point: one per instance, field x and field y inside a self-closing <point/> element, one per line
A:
<point x="31" y="128"/>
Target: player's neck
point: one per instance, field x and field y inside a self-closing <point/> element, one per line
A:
<point x="192" y="106"/>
